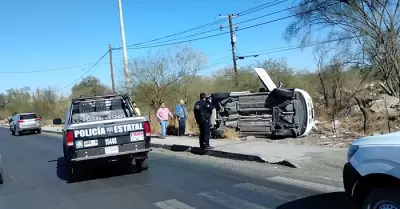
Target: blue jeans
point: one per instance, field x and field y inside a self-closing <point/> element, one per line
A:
<point x="164" y="124"/>
<point x="182" y="124"/>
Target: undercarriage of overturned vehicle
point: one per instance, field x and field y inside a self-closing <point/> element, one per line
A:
<point x="273" y="112"/>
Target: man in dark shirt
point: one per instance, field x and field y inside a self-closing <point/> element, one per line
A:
<point x="202" y="114"/>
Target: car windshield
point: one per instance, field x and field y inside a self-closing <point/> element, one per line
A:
<point x="28" y="116"/>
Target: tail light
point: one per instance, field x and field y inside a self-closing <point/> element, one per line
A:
<point x="147" y="128"/>
<point x="20" y="121"/>
<point x="69" y="138"/>
<point x="37" y="119"/>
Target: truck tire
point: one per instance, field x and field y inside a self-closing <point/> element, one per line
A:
<point x="220" y="95"/>
<point x="382" y="198"/>
<point x="1" y="170"/>
<point x="142" y="164"/>
<point x="70" y="169"/>
<point x="1" y="177"/>
<point x="71" y="172"/>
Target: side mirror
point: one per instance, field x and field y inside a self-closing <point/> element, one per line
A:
<point x="57" y="121"/>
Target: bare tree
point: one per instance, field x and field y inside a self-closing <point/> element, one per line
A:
<point x="158" y="75"/>
<point x="319" y="57"/>
<point x="364" y="105"/>
<point x="373" y="26"/>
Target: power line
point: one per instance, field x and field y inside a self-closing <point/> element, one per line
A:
<point x="188" y="36"/>
<point x="273" y="13"/>
<point x="261" y="7"/>
<point x="179" y="42"/>
<point x="212" y="30"/>
<point x="240" y="29"/>
<point x="281" y="49"/>
<point x="175" y="34"/>
<point x="38" y="71"/>
<point x="87" y="71"/>
<point x="283" y="18"/>
<point x="248" y="11"/>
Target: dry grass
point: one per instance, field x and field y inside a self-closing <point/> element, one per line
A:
<point x="377" y="124"/>
<point x="230" y="134"/>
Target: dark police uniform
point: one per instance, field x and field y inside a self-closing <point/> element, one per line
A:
<point x="202" y="114"/>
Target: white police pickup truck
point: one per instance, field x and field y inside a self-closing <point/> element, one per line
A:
<point x="371" y="176"/>
<point x="104" y="129"/>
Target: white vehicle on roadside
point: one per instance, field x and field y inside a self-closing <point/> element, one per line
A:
<point x="371" y="177"/>
<point x="271" y="111"/>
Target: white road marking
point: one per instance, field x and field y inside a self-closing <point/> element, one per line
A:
<point x="305" y="184"/>
<point x="172" y="204"/>
<point x="270" y="192"/>
<point x="229" y="201"/>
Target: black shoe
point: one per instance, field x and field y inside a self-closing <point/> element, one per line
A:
<point x="209" y="148"/>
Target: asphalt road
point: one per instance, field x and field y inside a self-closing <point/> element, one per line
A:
<point x="34" y="179"/>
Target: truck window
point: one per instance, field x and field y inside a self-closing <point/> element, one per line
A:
<point x="98" y="110"/>
<point x="28" y="116"/>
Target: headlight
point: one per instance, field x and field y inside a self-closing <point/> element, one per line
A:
<point x="352" y="150"/>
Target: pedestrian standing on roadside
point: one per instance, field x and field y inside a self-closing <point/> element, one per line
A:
<point x="136" y="109"/>
<point x="181" y="114"/>
<point x="202" y="113"/>
<point x="163" y="114"/>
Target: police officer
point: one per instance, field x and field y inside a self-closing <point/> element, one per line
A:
<point x="202" y="114"/>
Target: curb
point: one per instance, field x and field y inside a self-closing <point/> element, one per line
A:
<point x="222" y="154"/>
<point x="213" y="153"/>
<point x="52" y="132"/>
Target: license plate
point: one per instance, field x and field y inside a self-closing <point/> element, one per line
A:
<point x="90" y="143"/>
<point x="137" y="136"/>
<point x="111" y="150"/>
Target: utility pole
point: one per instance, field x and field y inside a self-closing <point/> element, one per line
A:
<point x="125" y="54"/>
<point x="233" y="41"/>
<point x="233" y="38"/>
<point x="111" y="67"/>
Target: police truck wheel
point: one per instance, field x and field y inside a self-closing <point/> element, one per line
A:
<point x="1" y="178"/>
<point x="71" y="172"/>
<point x="70" y="169"/>
<point x="383" y="198"/>
<point x="142" y="164"/>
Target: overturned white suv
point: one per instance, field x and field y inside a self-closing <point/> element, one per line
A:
<point x="273" y="111"/>
<point x="371" y="176"/>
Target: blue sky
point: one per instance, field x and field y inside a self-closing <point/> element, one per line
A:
<point x="47" y="34"/>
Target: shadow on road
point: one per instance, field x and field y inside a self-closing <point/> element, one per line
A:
<point x="334" y="200"/>
<point x="94" y="172"/>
